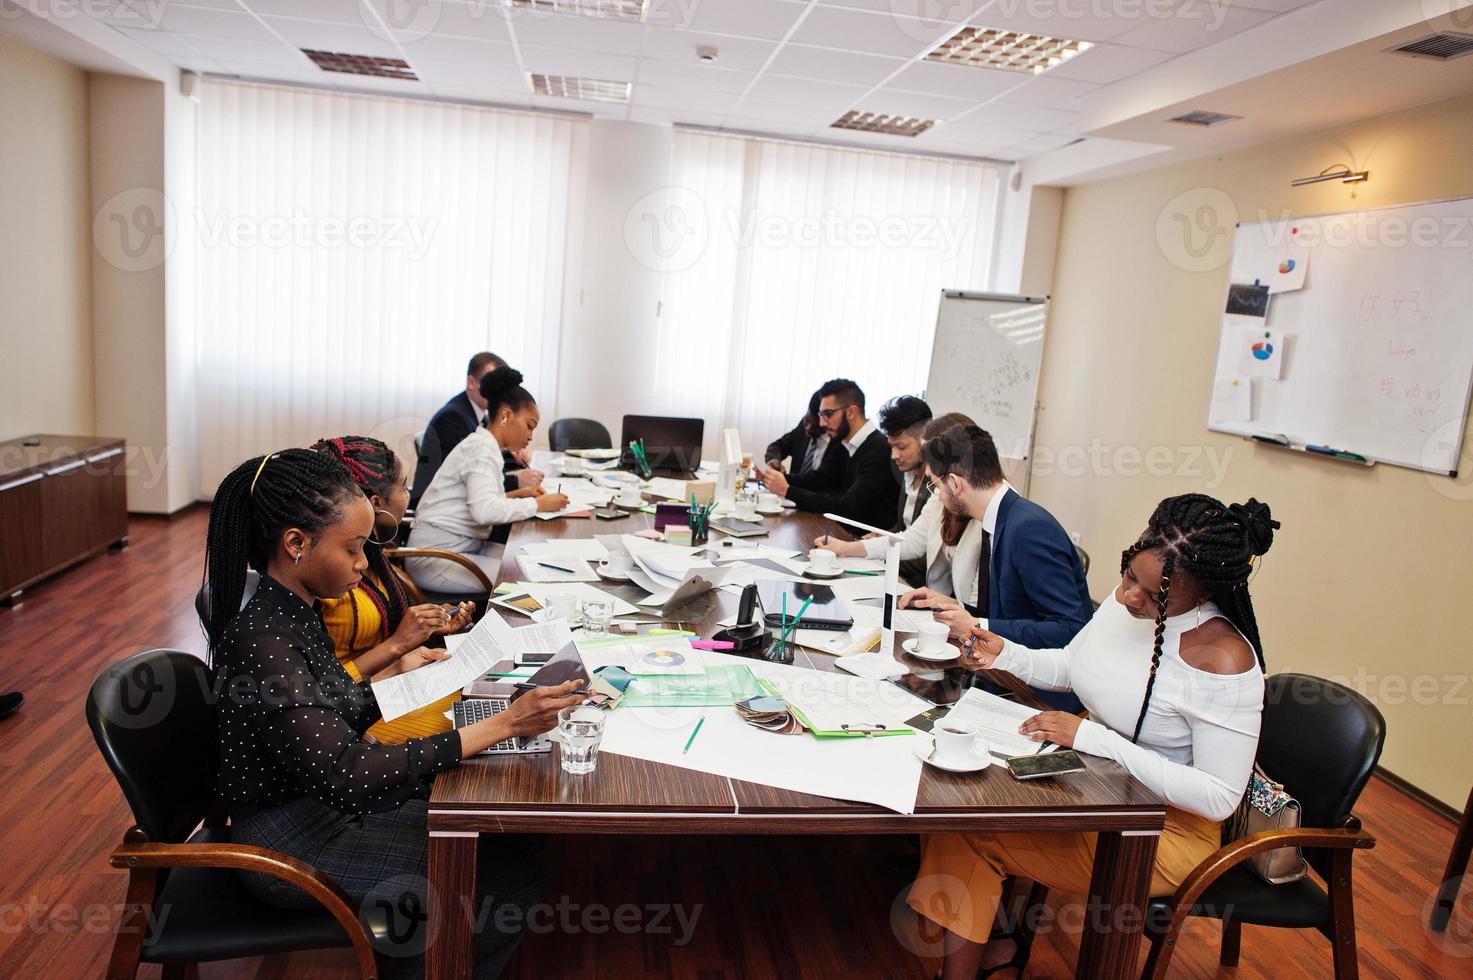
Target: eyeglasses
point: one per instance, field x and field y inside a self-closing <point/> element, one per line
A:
<point x="824" y="413"/>
<point x="936" y="485"/>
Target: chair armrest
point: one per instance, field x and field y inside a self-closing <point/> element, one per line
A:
<point x="245" y="857"/>
<point x="1231" y="855"/>
<point x="461" y="560"/>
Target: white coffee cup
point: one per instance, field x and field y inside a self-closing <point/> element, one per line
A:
<point x="572" y="466"/>
<point x="562" y="605"/>
<point x="746" y="509"/>
<point x="931" y="637"/>
<point x="617" y="564"/>
<point x="769" y="501"/>
<point x="823" y="561"/>
<point x="631" y="497"/>
<point x="957" y="741"/>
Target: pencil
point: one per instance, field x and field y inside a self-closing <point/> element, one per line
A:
<point x="696" y="731"/>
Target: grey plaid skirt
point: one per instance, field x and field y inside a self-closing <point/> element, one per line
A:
<point x="379" y="860"/>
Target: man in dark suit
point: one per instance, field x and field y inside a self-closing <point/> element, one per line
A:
<point x="806" y="444"/>
<point x="1030" y="582"/>
<point x="455" y="420"/>
<point x="867" y="486"/>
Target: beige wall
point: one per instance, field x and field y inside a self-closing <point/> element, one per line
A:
<point x="45" y="244"/>
<point x="1369" y="577"/>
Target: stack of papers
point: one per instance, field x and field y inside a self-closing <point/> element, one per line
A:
<point x="997" y="720"/>
<point x="549" y="569"/>
<point x="836" y="706"/>
<point x="530" y="597"/>
<point x="582" y="495"/>
<point x="474" y="653"/>
<point x="588" y="549"/>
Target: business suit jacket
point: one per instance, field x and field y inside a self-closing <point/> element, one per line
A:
<point x="455" y="420"/>
<point x="1037" y="595"/>
<point x="795" y="443"/>
<point x="866" y="488"/>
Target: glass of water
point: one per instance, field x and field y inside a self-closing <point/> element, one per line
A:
<point x="598" y="614"/>
<point x="582" y="728"/>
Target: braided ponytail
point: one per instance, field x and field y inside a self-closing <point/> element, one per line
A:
<point x="1217" y="545"/>
<point x="254" y="505"/>
<point x="378" y="472"/>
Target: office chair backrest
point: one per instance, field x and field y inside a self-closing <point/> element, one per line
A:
<point x="1083" y="558"/>
<point x="153" y="718"/>
<point x="568" y="434"/>
<point x="202" y="597"/>
<point x="1322" y="741"/>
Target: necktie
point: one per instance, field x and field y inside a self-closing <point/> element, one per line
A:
<point x="809" y="455"/>
<point x="984" y="572"/>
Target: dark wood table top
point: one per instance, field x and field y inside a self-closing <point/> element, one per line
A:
<point x="1106" y="797"/>
<point x="40" y="453"/>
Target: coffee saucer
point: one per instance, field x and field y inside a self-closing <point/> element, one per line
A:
<point x="925" y="750"/>
<point x="913" y="647"/>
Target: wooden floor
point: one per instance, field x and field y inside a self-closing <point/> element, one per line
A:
<point x="752" y="907"/>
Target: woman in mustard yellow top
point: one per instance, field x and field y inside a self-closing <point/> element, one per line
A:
<point x="373" y="625"/>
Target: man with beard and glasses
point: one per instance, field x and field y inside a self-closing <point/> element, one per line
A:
<point x="868" y="485"/>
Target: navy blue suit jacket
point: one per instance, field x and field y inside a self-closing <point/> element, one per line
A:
<point x="1037" y="595"/>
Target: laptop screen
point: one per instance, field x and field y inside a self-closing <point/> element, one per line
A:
<point x="672" y="445"/>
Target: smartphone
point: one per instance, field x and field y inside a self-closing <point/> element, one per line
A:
<point x="609" y="513"/>
<point x="1049" y="764"/>
<point x="533" y="659"/>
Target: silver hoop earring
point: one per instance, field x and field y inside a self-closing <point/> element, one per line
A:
<point x="392" y="535"/>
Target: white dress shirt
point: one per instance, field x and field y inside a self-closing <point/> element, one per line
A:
<point x="912" y="483"/>
<point x="467" y="497"/>
<point x="856" y="439"/>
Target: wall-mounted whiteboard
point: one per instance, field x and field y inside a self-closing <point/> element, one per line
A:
<point x="985" y="363"/>
<point x="1376" y="348"/>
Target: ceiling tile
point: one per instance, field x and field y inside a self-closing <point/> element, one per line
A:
<point x="350" y="11"/>
<point x="251" y="52"/>
<point x="489" y="77"/>
<point x="915" y="104"/>
<point x="1049" y="92"/>
<point x="333" y="36"/>
<point x="1034" y="119"/>
<point x="808" y="91"/>
<point x="165" y="44"/>
<point x="583" y="64"/>
<point x="1042" y="144"/>
<point x="772" y="127"/>
<point x="583" y="33"/>
<point x="785" y="112"/>
<point x="806" y="61"/>
<point x="1276" y="6"/>
<point x="1195" y="24"/>
<point x="1107" y="63"/>
<point x="747" y="18"/>
<point x="742" y="53"/>
<point x="1080" y="21"/>
<point x="858" y="30"/>
<point x="714" y="103"/>
<point x="668" y="74"/>
<point x="979" y="134"/>
<point x="961" y="81"/>
<point x="482" y="19"/>
<point x="181" y="19"/>
<point x="444" y="49"/>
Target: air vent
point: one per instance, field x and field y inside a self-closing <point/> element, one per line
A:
<point x="616" y="9"/>
<point x="1439" y="47"/>
<point x="569" y="87"/>
<point x="362" y="64"/>
<point x="1201" y="117"/>
<point x="879" y="122"/>
<point x="988" y="47"/>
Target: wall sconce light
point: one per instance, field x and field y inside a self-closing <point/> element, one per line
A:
<point x="1338" y="172"/>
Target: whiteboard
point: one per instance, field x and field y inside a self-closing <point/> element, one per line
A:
<point x="1377" y="345"/>
<point x="985" y="362"/>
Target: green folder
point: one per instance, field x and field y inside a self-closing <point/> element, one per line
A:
<point x="721" y="685"/>
<point x="835" y="732"/>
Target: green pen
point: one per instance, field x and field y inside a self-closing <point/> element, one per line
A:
<point x="696" y="731"/>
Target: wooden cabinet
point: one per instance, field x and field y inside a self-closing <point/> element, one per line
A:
<point x="62" y="499"/>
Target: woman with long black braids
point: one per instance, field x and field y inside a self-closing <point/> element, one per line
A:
<point x="295" y="773"/>
<point x="1171" y="671"/>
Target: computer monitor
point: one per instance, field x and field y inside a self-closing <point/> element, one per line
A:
<point x="672" y="445"/>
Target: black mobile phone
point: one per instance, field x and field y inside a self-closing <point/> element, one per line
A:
<point x="533" y="659"/>
<point x="1049" y="764"/>
<point x="609" y="513"/>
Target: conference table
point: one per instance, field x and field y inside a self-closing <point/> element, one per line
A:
<point x="531" y="794"/>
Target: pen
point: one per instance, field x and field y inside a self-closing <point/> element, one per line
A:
<point x="556" y="568"/>
<point x="694" y="732"/>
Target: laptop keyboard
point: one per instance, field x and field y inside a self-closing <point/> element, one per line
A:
<point x="468" y="711"/>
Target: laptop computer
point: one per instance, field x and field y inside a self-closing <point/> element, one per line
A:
<point x="826" y="612"/>
<point x="567" y="665"/>
<point x="672" y="445"/>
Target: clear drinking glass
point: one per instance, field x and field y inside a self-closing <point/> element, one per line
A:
<point x="597" y="615"/>
<point x="582" y="728"/>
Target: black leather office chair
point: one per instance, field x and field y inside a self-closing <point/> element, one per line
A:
<point x="1083" y="558"/>
<point x="568" y="434"/>
<point x="1322" y="741"/>
<point x="153" y="718"/>
<point x="202" y="597"/>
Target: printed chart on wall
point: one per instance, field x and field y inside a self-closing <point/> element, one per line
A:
<point x="1351" y="334"/>
<point x="985" y="364"/>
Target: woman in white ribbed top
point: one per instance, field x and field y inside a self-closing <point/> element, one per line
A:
<point x="1170" y="670"/>
<point x="467" y="498"/>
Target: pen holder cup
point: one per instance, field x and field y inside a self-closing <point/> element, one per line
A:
<point x="780" y="651"/>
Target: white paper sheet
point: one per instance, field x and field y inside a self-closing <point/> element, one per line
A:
<point x="536" y="570"/>
<point x="876" y="666"/>
<point x="581" y="590"/>
<point x="588" y="549"/>
<point x="883" y="771"/>
<point x="997" y="719"/>
<point x="475" y="652"/>
<point x="1232" y="400"/>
